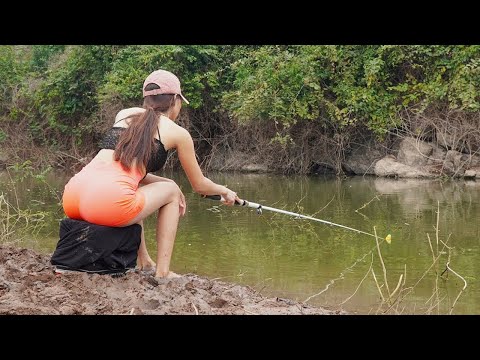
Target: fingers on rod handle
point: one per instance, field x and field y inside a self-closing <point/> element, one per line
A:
<point x="219" y="197"/>
<point x="213" y="197"/>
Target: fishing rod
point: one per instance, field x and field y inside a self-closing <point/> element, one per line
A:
<point x="260" y="208"/>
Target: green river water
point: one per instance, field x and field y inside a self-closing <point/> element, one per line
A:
<point x="279" y="255"/>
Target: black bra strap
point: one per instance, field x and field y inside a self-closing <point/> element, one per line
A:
<point x="120" y="120"/>
<point x="129" y="116"/>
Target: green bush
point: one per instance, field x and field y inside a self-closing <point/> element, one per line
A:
<point x="41" y="55"/>
<point x="12" y="71"/>
<point x="191" y="64"/>
<point x="61" y="91"/>
<point x="351" y="84"/>
<point x="67" y="97"/>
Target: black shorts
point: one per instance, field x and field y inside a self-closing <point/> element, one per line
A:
<point x="96" y="249"/>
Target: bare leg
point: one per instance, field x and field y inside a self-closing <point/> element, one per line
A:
<point x="167" y="223"/>
<point x="144" y="261"/>
<point x="164" y="196"/>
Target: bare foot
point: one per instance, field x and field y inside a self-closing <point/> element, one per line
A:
<point x="146" y="264"/>
<point x="170" y="275"/>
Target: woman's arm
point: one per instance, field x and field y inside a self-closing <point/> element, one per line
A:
<point x="200" y="184"/>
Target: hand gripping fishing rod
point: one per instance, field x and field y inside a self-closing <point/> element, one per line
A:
<point x="260" y="208"/>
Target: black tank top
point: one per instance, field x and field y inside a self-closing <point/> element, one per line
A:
<point x="157" y="158"/>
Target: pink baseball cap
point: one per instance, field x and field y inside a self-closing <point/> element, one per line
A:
<point x="168" y="82"/>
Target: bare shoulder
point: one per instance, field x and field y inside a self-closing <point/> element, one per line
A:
<point x="171" y="125"/>
<point x="127" y="112"/>
<point x="181" y="133"/>
<point x="173" y="134"/>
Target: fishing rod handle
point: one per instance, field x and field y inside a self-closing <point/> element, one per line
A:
<point x="220" y="197"/>
<point x="246" y="203"/>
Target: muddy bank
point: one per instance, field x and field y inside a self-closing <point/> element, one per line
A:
<point x="29" y="286"/>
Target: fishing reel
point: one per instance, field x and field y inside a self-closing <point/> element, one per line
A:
<point x="246" y="203"/>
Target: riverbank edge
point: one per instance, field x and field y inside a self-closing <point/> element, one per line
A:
<point x="29" y="286"/>
<point x="408" y="158"/>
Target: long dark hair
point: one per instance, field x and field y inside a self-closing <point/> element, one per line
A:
<point x="135" y="144"/>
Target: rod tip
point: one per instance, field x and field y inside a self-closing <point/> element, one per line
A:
<point x="388" y="238"/>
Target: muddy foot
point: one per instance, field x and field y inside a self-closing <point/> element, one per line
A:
<point x="170" y="275"/>
<point x="146" y="266"/>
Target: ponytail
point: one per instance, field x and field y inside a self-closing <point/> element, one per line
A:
<point x="135" y="144"/>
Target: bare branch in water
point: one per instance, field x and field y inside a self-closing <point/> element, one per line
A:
<point x="358" y="287"/>
<point x="381" y="260"/>
<point x="461" y="291"/>
<point x="378" y="286"/>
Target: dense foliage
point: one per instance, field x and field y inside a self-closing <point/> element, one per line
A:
<point x="59" y="91"/>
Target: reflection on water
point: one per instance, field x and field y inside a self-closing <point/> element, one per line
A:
<point x="287" y="257"/>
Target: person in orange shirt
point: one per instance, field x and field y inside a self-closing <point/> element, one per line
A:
<point x="117" y="188"/>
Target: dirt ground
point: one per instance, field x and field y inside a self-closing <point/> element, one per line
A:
<point x="28" y="285"/>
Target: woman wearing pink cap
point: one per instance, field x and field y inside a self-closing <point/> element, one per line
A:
<point x="117" y="188"/>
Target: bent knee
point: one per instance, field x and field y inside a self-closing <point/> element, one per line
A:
<point x="172" y="191"/>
